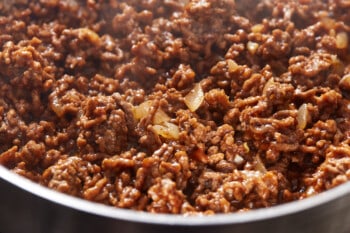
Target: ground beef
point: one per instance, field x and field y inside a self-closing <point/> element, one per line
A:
<point x="182" y="107"/>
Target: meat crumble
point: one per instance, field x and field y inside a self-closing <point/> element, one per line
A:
<point x="181" y="107"/>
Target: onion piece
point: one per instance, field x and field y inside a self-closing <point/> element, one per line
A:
<point x="344" y="83"/>
<point x="56" y="106"/>
<point x="160" y="117"/>
<point x="252" y="47"/>
<point x="142" y="110"/>
<point x="259" y="165"/>
<point x="194" y="98"/>
<point x="338" y="65"/>
<point x="257" y="28"/>
<point x="161" y="124"/>
<point x="303" y="116"/>
<point x="89" y="35"/>
<point x="310" y="191"/>
<point x="341" y="40"/>
<point x="232" y="66"/>
<point x="238" y="160"/>
<point x="167" y="130"/>
<point x="246" y="147"/>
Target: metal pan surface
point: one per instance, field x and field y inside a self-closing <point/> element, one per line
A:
<point x="29" y="207"/>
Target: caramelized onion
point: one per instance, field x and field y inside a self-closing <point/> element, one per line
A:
<point x="303" y="116"/>
<point x="56" y="106"/>
<point x="194" y="98"/>
<point x="257" y="28"/>
<point x="259" y="165"/>
<point x="246" y="147"/>
<point x="252" y="47"/>
<point x="310" y="191"/>
<point x="160" y="117"/>
<point x="344" y="83"/>
<point x="89" y="35"/>
<point x="167" y="130"/>
<point x="338" y="65"/>
<point x="232" y="66"/>
<point x="142" y="110"/>
<point x="238" y="160"/>
<point x="161" y="124"/>
<point x="341" y="40"/>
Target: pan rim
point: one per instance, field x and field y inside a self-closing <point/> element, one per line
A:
<point x="170" y="219"/>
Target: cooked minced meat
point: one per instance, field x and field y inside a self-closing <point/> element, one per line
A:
<point x="183" y="107"/>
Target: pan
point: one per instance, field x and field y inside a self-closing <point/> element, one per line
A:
<point x="28" y="207"/>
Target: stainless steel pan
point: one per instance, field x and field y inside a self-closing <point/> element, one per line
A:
<point x="26" y="207"/>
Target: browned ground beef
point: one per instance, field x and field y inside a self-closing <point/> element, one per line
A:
<point x="201" y="106"/>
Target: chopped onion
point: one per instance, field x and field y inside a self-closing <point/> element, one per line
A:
<point x="238" y="160"/>
<point x="142" y="110"/>
<point x="161" y="124"/>
<point x="257" y="28"/>
<point x="310" y="191"/>
<point x="341" y="40"/>
<point x="252" y="47"/>
<point x="259" y="165"/>
<point x="160" y="117"/>
<point x="89" y="35"/>
<point x="167" y="130"/>
<point x="232" y="66"/>
<point x="338" y="65"/>
<point x="246" y="147"/>
<point x="303" y="115"/>
<point x="344" y="83"/>
<point x="194" y="98"/>
<point x="56" y="106"/>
